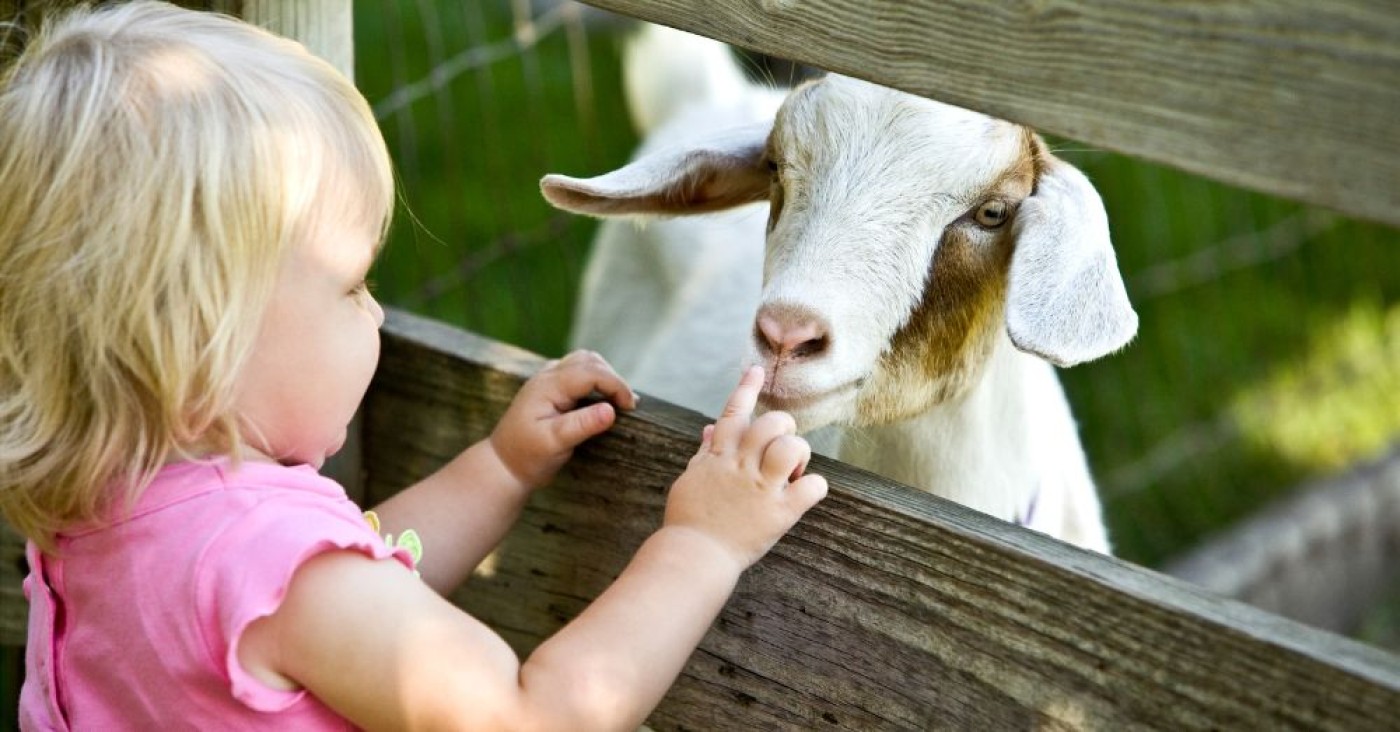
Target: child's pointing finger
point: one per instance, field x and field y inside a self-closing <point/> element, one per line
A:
<point x="735" y="417"/>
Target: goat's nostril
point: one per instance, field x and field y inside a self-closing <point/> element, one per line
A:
<point x="813" y="347"/>
<point x="777" y="334"/>
<point x="790" y="334"/>
<point x="767" y="333"/>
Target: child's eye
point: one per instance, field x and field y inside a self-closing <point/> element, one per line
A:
<point x="364" y="288"/>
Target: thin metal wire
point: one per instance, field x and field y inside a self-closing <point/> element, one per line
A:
<point x="403" y="117"/>
<point x="505" y="245"/>
<point x="472" y="58"/>
<point x="449" y="137"/>
<point x="508" y="244"/>
<point x="585" y="105"/>
<point x="1250" y="249"/>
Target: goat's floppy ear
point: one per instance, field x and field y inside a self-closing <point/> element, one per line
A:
<point x="710" y="174"/>
<point x="1066" y="301"/>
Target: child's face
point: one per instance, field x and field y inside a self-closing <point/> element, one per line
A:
<point x="317" y="349"/>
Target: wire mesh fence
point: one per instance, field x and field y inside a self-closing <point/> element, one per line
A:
<point x="477" y="100"/>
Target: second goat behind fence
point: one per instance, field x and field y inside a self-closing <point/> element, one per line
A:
<point x="925" y="268"/>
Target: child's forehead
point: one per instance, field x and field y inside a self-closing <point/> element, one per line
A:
<point x="339" y="246"/>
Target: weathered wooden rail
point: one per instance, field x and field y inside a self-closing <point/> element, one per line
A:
<point x="1327" y="555"/>
<point x="886" y="608"/>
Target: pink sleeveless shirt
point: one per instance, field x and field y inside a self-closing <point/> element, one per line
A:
<point x="135" y="625"/>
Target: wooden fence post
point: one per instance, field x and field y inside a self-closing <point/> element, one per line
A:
<point x="326" y="27"/>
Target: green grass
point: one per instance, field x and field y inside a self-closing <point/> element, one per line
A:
<point x="1267" y="363"/>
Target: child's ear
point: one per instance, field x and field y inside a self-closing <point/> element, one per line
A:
<point x="714" y="173"/>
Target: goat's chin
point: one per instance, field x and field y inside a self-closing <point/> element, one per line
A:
<point x="814" y="412"/>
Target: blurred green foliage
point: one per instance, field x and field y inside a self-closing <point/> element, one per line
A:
<point x="475" y="244"/>
<point x="1264" y="357"/>
<point x="1269" y="335"/>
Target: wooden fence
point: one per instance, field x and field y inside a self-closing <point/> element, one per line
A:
<point x="887" y="608"/>
<point x="1327" y="555"/>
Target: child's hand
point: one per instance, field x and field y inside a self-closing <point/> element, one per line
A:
<point x="541" y="428"/>
<point x="745" y="487"/>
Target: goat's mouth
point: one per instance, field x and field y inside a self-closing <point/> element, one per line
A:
<point x="799" y="403"/>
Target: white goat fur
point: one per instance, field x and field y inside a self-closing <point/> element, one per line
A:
<point x="935" y="330"/>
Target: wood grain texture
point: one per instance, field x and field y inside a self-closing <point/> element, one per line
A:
<point x="1294" y="98"/>
<point x="886" y="608"/>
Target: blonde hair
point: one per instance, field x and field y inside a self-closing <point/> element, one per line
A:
<point x="155" y="166"/>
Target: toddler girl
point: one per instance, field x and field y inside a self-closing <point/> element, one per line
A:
<point x="188" y="208"/>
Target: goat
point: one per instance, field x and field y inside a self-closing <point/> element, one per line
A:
<point x="925" y="265"/>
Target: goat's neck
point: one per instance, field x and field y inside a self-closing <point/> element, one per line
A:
<point x="991" y="448"/>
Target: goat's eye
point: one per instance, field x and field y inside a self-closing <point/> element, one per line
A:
<point x="773" y="166"/>
<point x="991" y="214"/>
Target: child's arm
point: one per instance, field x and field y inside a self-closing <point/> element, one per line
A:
<point x="462" y="511"/>
<point x="381" y="648"/>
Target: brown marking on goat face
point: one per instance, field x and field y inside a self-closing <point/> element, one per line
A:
<point x="939" y="353"/>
